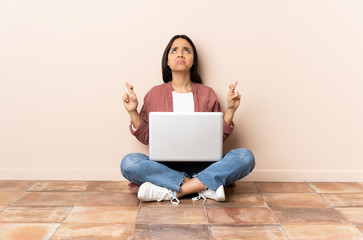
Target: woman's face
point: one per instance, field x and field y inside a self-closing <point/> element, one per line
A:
<point x="181" y="56"/>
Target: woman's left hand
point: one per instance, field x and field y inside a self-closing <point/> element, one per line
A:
<point x="234" y="98"/>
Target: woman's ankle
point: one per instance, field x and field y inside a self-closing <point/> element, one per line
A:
<point x="190" y="186"/>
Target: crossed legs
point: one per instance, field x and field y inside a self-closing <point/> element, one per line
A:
<point x="236" y="164"/>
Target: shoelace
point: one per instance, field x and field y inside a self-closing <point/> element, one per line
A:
<point x="173" y="200"/>
<point x="199" y="197"/>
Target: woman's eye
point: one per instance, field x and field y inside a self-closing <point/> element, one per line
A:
<point x="173" y="51"/>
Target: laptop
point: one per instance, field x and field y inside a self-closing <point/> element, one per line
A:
<point x="177" y="136"/>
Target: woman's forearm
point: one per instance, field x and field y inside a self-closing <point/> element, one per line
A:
<point x="135" y="119"/>
<point x="228" y="116"/>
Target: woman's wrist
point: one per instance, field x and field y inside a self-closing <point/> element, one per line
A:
<point x="135" y="118"/>
<point x="228" y="116"/>
<point x="133" y="112"/>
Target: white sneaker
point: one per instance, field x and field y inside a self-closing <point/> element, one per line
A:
<point x="149" y="192"/>
<point x="217" y="195"/>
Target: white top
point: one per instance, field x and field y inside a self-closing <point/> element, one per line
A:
<point x="183" y="102"/>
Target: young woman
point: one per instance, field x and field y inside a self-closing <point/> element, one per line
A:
<point x="182" y="91"/>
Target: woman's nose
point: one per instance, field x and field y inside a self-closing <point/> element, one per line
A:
<point x="181" y="54"/>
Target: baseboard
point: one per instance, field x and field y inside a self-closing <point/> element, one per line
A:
<point x="306" y="175"/>
<point x="115" y="175"/>
<point x="62" y="174"/>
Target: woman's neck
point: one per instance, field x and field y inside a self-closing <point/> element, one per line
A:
<point x="181" y="82"/>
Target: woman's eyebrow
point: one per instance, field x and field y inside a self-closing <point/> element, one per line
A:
<point x="184" y="47"/>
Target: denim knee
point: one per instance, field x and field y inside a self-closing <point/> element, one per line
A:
<point x="129" y="164"/>
<point x="245" y="159"/>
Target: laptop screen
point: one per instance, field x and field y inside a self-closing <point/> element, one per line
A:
<point x="196" y="136"/>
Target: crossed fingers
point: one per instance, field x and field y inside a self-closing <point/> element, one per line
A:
<point x="232" y="94"/>
<point x="131" y="95"/>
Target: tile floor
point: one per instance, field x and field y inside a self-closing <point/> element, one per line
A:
<point x="72" y="210"/>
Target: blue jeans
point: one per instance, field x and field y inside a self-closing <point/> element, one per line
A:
<point x="236" y="164"/>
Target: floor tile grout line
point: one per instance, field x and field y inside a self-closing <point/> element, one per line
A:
<point x="246" y="224"/>
<point x="20" y="196"/>
<point x="36" y="182"/>
<point x="206" y="220"/>
<point x="61" y="223"/>
<point x="325" y="200"/>
<point x="276" y="218"/>
<point x="58" y="190"/>
<point x="347" y="219"/>
<point x="311" y="187"/>
<point x="69" y="212"/>
<point x="333" y="192"/>
<point x="335" y="209"/>
<point x="134" y="225"/>
<point x="89" y="183"/>
<point x="321" y="194"/>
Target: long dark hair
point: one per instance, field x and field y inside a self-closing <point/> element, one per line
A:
<point x="167" y="76"/>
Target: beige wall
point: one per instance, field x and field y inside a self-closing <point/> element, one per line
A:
<point x="63" y="65"/>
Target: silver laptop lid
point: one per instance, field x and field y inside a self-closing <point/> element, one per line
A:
<point x="196" y="136"/>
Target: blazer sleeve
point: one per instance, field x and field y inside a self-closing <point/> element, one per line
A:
<point x="227" y="128"/>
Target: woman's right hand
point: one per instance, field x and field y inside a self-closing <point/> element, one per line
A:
<point x="130" y="99"/>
